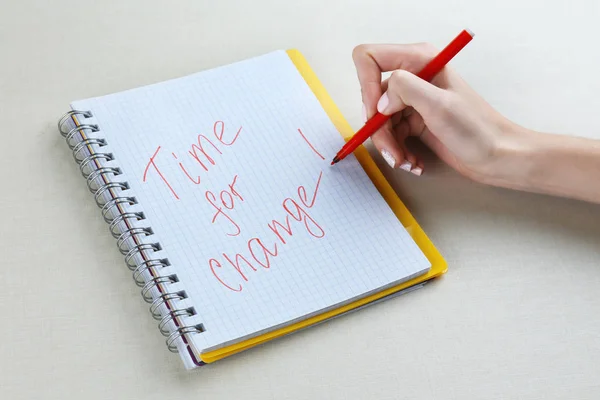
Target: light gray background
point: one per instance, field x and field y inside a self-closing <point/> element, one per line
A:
<point x="517" y="315"/>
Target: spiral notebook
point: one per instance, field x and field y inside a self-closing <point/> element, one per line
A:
<point x="218" y="190"/>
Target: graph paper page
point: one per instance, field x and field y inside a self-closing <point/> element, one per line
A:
<point x="230" y="167"/>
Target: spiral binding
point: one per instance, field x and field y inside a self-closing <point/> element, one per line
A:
<point x="103" y="181"/>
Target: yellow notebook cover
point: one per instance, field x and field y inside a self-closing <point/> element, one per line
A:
<point x="438" y="264"/>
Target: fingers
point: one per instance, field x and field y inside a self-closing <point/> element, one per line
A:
<point x="385" y="142"/>
<point x="403" y="124"/>
<point x="390" y="142"/>
<point x="415" y="122"/>
<point x="406" y="89"/>
<point x="372" y="60"/>
<point x="411" y="162"/>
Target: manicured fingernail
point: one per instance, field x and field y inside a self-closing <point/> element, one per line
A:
<point x="384" y="101"/>
<point x="389" y="158"/>
<point x="364" y="113"/>
<point x="417" y="171"/>
<point x="406" y="165"/>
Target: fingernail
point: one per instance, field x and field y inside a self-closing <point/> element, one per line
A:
<point x="364" y="113"/>
<point x="406" y="165"/>
<point x="389" y="158"/>
<point x="383" y="102"/>
<point x="417" y="171"/>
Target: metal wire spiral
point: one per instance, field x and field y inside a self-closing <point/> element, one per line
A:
<point x="115" y="207"/>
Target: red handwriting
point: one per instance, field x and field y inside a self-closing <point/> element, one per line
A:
<point x="266" y="252"/>
<point x="220" y="126"/>
<point x="302" y="193"/>
<point x="199" y="147"/>
<point x="196" y="181"/>
<point x="310" y="144"/>
<point x="203" y="152"/>
<point x="234" y="271"/>
<point x="260" y="254"/>
<point x="228" y="200"/>
<point x="212" y="263"/>
<point x="151" y="163"/>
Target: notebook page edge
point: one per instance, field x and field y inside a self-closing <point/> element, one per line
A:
<point x="323" y="311"/>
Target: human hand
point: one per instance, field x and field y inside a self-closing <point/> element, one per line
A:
<point x="446" y="114"/>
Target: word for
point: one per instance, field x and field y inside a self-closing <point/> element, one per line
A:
<point x="227" y="200"/>
<point x="201" y="157"/>
<point x="233" y="271"/>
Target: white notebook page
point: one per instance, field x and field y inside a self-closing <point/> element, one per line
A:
<point x="263" y="155"/>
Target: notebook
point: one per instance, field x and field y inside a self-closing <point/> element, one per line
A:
<point x="219" y="192"/>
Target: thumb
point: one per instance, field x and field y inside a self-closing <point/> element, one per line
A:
<point x="408" y="90"/>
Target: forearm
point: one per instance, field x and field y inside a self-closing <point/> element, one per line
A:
<point x="550" y="164"/>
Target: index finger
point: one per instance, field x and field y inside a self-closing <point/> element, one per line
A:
<point x="371" y="60"/>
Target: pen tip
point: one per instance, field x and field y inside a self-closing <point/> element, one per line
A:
<point x="335" y="160"/>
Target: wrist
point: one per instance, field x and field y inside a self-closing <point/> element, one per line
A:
<point x="515" y="162"/>
<point x="546" y="163"/>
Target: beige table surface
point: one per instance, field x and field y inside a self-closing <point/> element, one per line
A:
<point x="516" y="317"/>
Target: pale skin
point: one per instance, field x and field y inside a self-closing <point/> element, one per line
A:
<point x="463" y="130"/>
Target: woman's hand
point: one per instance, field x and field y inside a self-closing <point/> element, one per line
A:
<point x="466" y="132"/>
<point x="446" y="114"/>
